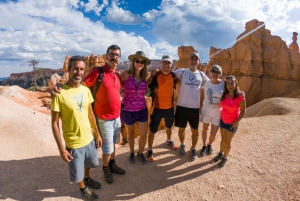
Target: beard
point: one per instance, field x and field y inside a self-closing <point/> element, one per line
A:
<point x="76" y="80"/>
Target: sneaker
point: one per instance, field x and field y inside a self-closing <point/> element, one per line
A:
<point x="218" y="157"/>
<point x="209" y="149"/>
<point x="142" y="158"/>
<point x="193" y="153"/>
<point x="116" y="169"/>
<point x="182" y="149"/>
<point x="222" y="162"/>
<point x="92" y="183"/>
<point x="89" y="194"/>
<point x="202" y="152"/>
<point x="150" y="155"/>
<point x="171" y="144"/>
<point x="108" y="175"/>
<point x="131" y="158"/>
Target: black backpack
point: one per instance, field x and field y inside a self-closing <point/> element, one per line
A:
<point x="96" y="86"/>
<point x="154" y="85"/>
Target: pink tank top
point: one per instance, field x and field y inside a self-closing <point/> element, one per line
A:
<point x="134" y="95"/>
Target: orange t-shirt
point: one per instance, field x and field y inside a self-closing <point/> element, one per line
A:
<point x="164" y="93"/>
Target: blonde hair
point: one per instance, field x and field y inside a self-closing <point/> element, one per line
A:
<point x="144" y="72"/>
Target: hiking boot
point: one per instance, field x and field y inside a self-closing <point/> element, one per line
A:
<point x="92" y="183"/>
<point x="171" y="144"/>
<point x="116" y="169"/>
<point x="202" y="152"/>
<point x="222" y="162"/>
<point x="89" y="194"/>
<point x="209" y="149"/>
<point x="218" y="157"/>
<point x="142" y="158"/>
<point x="182" y="149"/>
<point x="131" y="158"/>
<point x="108" y="175"/>
<point x="193" y="153"/>
<point x="150" y="155"/>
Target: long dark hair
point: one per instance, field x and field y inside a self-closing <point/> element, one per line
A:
<point x="236" y="90"/>
<point x="144" y="72"/>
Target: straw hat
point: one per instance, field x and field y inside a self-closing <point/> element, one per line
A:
<point x="139" y="55"/>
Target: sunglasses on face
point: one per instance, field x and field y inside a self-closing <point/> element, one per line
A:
<point x="139" y="61"/>
<point x="216" y="72"/>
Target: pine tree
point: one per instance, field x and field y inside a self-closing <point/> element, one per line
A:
<point x="33" y="63"/>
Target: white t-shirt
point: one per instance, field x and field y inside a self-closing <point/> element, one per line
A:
<point x="190" y="83"/>
<point x="212" y="97"/>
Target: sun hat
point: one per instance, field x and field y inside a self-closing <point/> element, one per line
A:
<point x="167" y="58"/>
<point x="137" y="55"/>
<point x="216" y="67"/>
<point x="194" y="54"/>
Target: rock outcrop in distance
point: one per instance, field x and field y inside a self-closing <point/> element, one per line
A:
<point x="262" y="63"/>
<point x="25" y="80"/>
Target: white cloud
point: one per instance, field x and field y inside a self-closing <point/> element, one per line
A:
<point x="119" y="15"/>
<point x="93" y="5"/>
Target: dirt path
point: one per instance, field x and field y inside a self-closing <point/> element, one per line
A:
<point x="263" y="163"/>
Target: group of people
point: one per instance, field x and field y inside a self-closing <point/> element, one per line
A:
<point x="219" y="102"/>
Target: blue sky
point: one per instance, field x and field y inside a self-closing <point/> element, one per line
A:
<point x="49" y="30"/>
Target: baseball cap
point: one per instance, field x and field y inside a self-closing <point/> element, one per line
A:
<point x="167" y="58"/>
<point x="194" y="54"/>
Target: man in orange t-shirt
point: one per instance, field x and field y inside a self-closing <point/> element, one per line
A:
<point x="163" y="103"/>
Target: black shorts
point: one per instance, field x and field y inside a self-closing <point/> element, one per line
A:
<point x="158" y="114"/>
<point x="184" y="115"/>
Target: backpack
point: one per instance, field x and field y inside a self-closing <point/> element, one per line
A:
<point x="154" y="85"/>
<point x="94" y="89"/>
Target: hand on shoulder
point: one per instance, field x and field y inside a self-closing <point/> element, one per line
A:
<point x="124" y="75"/>
<point x="241" y="93"/>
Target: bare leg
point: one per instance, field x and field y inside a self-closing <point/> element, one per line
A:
<point x="195" y="136"/>
<point x="150" y="139"/>
<point x="204" y="133"/>
<point x="87" y="172"/>
<point x="222" y="144"/>
<point x="143" y="136"/>
<point x="213" y="131"/>
<point x="169" y="133"/>
<point x="228" y="139"/>
<point x="130" y="136"/>
<point x="81" y="184"/>
<point x="181" y="135"/>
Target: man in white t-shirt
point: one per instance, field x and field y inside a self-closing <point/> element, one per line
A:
<point x="188" y="104"/>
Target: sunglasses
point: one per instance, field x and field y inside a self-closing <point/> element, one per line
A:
<point x="114" y="55"/>
<point x="216" y="72"/>
<point x="139" y="61"/>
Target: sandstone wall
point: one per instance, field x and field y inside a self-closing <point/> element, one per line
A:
<point x="263" y="64"/>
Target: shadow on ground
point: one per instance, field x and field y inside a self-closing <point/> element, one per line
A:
<point x="48" y="177"/>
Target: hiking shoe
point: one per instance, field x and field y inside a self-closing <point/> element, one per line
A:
<point x="202" y="152"/>
<point x="182" y="149"/>
<point x="89" y="194"/>
<point x="131" y="158"/>
<point x="218" y="157"/>
<point x="171" y="144"/>
<point x="209" y="149"/>
<point x="142" y="158"/>
<point x="193" y="153"/>
<point x="108" y="175"/>
<point x="92" y="183"/>
<point x="150" y="156"/>
<point x="222" y="162"/>
<point x="116" y="169"/>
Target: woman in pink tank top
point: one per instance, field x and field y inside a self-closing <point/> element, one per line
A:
<point x="134" y="109"/>
<point x="233" y="106"/>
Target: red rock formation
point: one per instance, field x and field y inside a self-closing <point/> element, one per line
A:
<point x="183" y="55"/>
<point x="294" y="45"/>
<point x="263" y="64"/>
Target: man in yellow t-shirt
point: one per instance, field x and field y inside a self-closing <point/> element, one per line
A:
<point x="73" y="107"/>
<point x="163" y="103"/>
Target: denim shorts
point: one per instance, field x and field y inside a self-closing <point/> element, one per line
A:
<point x="110" y="132"/>
<point x="228" y="127"/>
<point x="86" y="156"/>
<point x="158" y="114"/>
<point x="129" y="118"/>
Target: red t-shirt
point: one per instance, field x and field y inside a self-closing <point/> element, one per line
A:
<point x="107" y="101"/>
<point x="230" y="109"/>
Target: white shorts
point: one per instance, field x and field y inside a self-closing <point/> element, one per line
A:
<point x="207" y="118"/>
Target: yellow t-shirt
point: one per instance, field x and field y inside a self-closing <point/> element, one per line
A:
<point x="72" y="103"/>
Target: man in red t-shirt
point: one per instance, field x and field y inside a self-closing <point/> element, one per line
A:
<point x="107" y="109"/>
